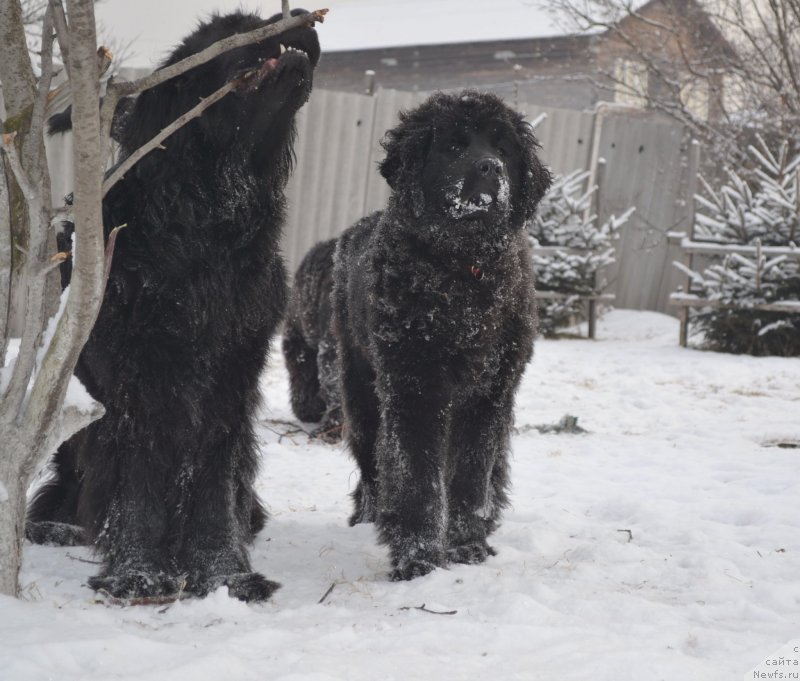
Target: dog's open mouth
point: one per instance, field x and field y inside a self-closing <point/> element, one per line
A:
<point x="460" y="207"/>
<point x="253" y="79"/>
<point x="482" y="200"/>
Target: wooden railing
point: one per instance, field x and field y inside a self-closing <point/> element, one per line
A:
<point x="686" y="300"/>
<point x="591" y="299"/>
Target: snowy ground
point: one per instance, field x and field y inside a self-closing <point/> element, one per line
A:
<point x="663" y="544"/>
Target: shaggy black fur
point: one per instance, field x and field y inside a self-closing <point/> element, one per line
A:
<point x="309" y="347"/>
<point x="163" y="484"/>
<point x="434" y="318"/>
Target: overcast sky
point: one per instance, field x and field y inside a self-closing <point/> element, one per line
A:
<point x="152" y="27"/>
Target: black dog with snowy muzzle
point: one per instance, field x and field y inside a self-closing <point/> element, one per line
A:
<point x="434" y="316"/>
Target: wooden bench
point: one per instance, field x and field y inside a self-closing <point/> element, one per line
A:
<point x="591" y="299"/>
<point x="686" y="300"/>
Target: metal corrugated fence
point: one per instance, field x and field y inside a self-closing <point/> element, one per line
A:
<point x="336" y="181"/>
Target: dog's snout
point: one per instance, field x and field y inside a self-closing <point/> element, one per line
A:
<point x="489" y="166"/>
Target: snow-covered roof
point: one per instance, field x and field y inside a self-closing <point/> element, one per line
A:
<point x="152" y="27"/>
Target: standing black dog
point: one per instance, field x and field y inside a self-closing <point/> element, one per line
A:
<point x="163" y="483"/>
<point x="309" y="347"/>
<point x="434" y="317"/>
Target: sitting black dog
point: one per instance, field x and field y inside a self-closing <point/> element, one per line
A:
<point x="163" y="483"/>
<point x="434" y="317"/>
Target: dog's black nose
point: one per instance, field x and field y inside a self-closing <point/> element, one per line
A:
<point x="489" y="165"/>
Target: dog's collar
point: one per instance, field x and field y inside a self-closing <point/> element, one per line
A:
<point x="475" y="271"/>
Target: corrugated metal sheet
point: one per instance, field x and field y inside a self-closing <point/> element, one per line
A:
<point x="326" y="192"/>
<point x="645" y="163"/>
<point x="565" y="136"/>
<point x="336" y="180"/>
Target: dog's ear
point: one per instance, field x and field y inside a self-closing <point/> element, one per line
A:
<point x="406" y="146"/>
<point x="535" y="178"/>
<point x="395" y="144"/>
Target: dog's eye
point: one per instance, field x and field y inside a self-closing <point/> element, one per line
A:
<point x="503" y="147"/>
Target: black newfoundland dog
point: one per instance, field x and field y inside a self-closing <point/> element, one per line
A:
<point x="309" y="347"/>
<point x="163" y="483"/>
<point x="434" y="318"/>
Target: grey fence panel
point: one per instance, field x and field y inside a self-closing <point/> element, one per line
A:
<point x="565" y="136"/>
<point x="336" y="179"/>
<point x="326" y="191"/>
<point x="645" y="159"/>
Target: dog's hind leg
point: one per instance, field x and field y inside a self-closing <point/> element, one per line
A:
<point x="330" y="430"/>
<point x="53" y="511"/>
<point x="301" y="363"/>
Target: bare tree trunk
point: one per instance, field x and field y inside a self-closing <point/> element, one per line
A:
<point x="32" y="422"/>
<point x="12" y="508"/>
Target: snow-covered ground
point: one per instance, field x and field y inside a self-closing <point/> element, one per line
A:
<point x="664" y="544"/>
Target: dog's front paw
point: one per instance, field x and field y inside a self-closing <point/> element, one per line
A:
<point x="470" y="553"/>
<point x="135" y="584"/>
<point x="251" y="587"/>
<point x="411" y="569"/>
<point x="55" y="534"/>
<point x="329" y="433"/>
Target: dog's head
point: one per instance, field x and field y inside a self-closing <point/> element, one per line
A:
<point x="275" y="81"/>
<point x="466" y="156"/>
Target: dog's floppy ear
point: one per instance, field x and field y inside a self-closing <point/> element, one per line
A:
<point x="535" y="178"/>
<point x="406" y="146"/>
<point x="391" y="166"/>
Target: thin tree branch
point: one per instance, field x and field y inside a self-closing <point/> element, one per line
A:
<point x="5" y="261"/>
<point x="33" y="146"/>
<point x="116" y="90"/>
<point x="124" y="89"/>
<point x="62" y="31"/>
<point x="119" y="172"/>
<point x="14" y="395"/>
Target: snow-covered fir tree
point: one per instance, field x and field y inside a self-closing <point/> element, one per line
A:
<point x="760" y="211"/>
<point x="564" y="221"/>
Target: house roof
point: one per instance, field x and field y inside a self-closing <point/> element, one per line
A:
<point x="372" y="24"/>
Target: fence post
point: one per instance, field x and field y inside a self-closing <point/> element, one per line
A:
<point x="369" y="82"/>
<point x="691" y="190"/>
<point x="599" y="173"/>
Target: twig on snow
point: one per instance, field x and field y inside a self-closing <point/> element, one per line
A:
<point x="630" y="535"/>
<point x="327" y="593"/>
<point x="424" y="609"/>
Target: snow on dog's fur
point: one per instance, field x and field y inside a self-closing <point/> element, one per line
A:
<point x="163" y="483"/>
<point x="434" y="317"/>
